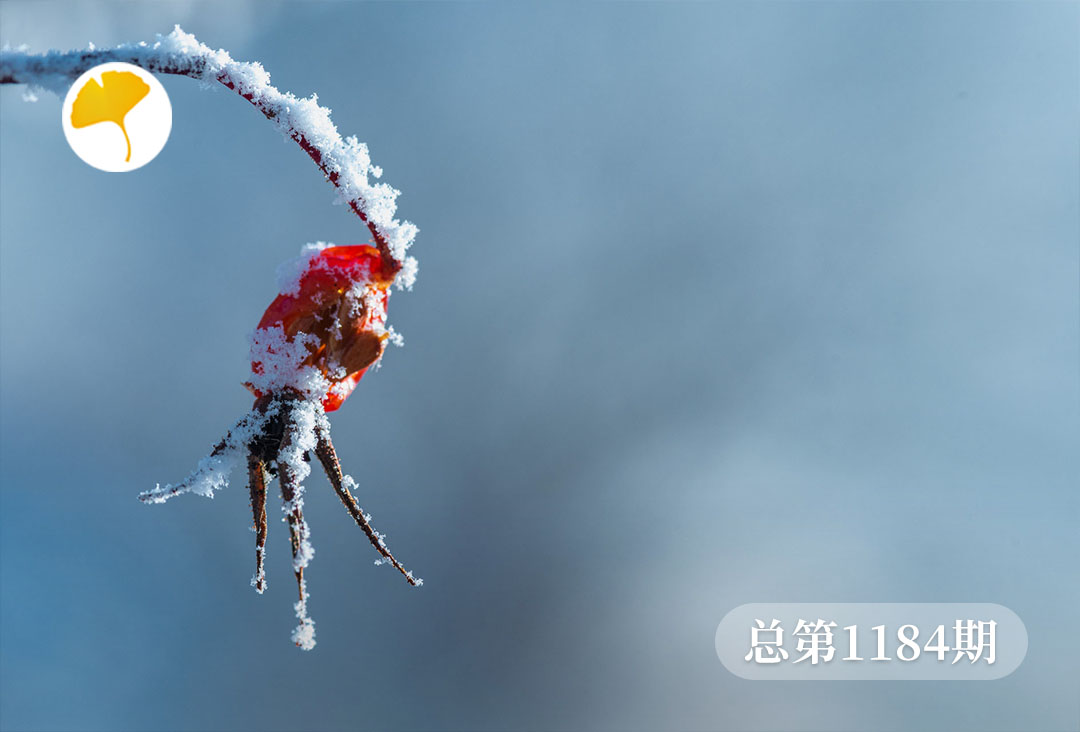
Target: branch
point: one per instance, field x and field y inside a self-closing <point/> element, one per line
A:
<point x="344" y="162"/>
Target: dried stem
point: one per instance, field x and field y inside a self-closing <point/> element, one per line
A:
<point x="304" y="635"/>
<point x="328" y="457"/>
<point x="257" y="486"/>
<point x="289" y="488"/>
<point x="160" y="495"/>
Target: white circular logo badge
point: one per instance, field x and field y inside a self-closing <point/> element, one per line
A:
<point x="117" y="117"/>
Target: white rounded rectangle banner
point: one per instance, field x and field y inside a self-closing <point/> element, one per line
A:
<point x="871" y="641"/>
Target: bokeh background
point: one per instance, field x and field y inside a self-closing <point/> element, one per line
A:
<point x="718" y="303"/>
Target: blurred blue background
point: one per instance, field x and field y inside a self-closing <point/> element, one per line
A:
<point x="718" y="303"/>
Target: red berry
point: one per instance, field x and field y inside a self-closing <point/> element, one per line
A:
<point x="342" y="303"/>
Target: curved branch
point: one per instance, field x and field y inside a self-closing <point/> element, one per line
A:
<point x="344" y="162"/>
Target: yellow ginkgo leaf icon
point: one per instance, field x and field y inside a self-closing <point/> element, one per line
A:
<point x="111" y="101"/>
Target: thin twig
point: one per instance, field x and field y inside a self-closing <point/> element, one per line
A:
<point x="304" y="635"/>
<point x="160" y="495"/>
<point x="257" y="486"/>
<point x="328" y="457"/>
<point x="289" y="487"/>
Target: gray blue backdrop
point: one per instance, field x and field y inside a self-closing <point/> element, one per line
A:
<point x="718" y="303"/>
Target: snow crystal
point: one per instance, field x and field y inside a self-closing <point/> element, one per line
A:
<point x="406" y="278"/>
<point x="258" y="580"/>
<point x="394" y="337"/>
<point x="300" y="438"/>
<point x="280" y="363"/>
<point x="290" y="272"/>
<point x="304" y="634"/>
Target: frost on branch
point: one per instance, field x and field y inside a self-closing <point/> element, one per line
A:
<point x="345" y="161"/>
<point x="212" y="472"/>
